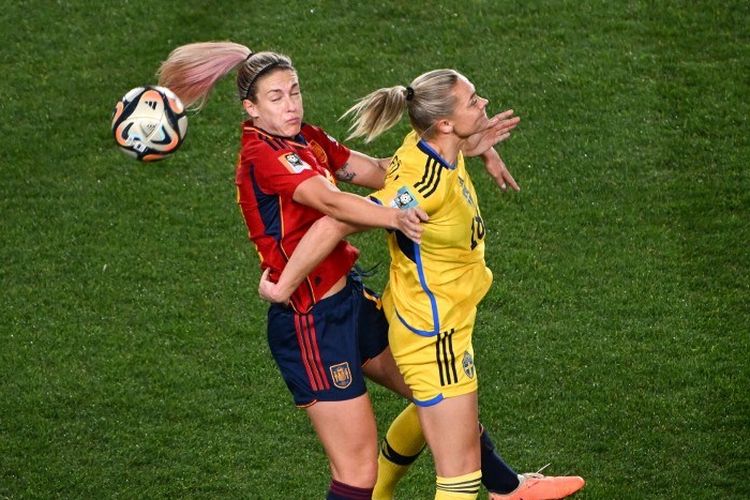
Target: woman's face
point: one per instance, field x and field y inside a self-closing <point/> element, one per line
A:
<point x="469" y="115"/>
<point x="278" y="103"/>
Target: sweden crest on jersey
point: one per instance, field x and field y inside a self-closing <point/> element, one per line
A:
<point x="468" y="365"/>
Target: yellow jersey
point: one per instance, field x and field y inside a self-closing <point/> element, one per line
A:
<point x="436" y="284"/>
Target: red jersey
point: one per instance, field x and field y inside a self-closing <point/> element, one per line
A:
<point x="269" y="170"/>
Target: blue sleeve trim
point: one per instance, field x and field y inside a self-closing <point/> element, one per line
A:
<point x="429" y="402"/>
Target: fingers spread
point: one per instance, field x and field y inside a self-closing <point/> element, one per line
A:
<point x="505" y="114"/>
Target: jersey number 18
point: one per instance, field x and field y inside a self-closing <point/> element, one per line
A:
<point x="477" y="231"/>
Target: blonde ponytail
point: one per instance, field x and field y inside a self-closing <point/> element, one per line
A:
<point x="376" y="112"/>
<point x="427" y="99"/>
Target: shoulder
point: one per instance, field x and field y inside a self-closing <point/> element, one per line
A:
<point x="411" y="178"/>
<point x="329" y="152"/>
<point x="408" y="161"/>
<point x="313" y="132"/>
<point x="258" y="145"/>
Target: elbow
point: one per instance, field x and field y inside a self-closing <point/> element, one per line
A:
<point x="335" y="228"/>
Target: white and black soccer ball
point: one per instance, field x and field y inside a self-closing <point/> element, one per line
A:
<point x="149" y="123"/>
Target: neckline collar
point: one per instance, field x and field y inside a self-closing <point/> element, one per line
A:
<point x="429" y="151"/>
<point x="297" y="139"/>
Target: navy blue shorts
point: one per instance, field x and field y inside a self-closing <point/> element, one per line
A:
<point x="320" y="354"/>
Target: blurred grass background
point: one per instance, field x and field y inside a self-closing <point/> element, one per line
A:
<point x="614" y="343"/>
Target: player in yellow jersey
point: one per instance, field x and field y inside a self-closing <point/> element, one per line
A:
<point x="435" y="286"/>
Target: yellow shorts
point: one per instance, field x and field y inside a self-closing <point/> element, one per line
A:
<point x="436" y="367"/>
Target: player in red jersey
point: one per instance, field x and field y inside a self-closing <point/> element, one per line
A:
<point x="286" y="181"/>
<point x="271" y="170"/>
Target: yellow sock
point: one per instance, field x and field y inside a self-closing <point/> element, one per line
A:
<point x="402" y="444"/>
<point x="464" y="487"/>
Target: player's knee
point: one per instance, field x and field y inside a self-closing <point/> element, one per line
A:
<point x="357" y="471"/>
<point x="458" y="463"/>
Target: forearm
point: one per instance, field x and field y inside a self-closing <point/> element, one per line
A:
<point x="490" y="156"/>
<point x="496" y="168"/>
<point x="358" y="211"/>
<point x="326" y="198"/>
<point x="313" y="248"/>
<point x="364" y="170"/>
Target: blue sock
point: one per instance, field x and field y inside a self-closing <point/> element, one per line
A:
<point x="497" y="477"/>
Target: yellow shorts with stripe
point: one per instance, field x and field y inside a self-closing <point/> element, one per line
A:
<point x="438" y="366"/>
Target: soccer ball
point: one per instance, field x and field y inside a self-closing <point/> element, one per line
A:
<point x="149" y="123"/>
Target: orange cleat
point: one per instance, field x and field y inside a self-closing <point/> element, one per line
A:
<point x="535" y="486"/>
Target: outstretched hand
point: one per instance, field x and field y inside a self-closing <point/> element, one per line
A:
<point x="410" y="221"/>
<point x="498" y="130"/>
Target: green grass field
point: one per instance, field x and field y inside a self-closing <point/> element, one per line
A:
<point x="614" y="343"/>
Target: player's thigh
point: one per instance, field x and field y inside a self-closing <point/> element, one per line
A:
<point x="451" y="430"/>
<point x="348" y="433"/>
<point x="382" y="370"/>
<point x="437" y="366"/>
<point x="377" y="360"/>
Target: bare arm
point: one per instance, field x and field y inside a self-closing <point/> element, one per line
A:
<point x="498" y="171"/>
<point x="481" y="144"/>
<point x="318" y="193"/>
<point x="318" y="242"/>
<point x="346" y="214"/>
<point x="364" y="170"/>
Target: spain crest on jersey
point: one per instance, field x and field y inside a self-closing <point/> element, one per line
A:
<point x="341" y="375"/>
<point x="468" y="365"/>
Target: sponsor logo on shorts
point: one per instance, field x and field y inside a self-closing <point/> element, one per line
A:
<point x="468" y="365"/>
<point x="341" y="375"/>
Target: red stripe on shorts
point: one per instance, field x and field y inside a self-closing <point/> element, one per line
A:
<point x="304" y="351"/>
<point x="316" y="351"/>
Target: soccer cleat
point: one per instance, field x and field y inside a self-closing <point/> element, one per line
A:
<point x="535" y="486"/>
